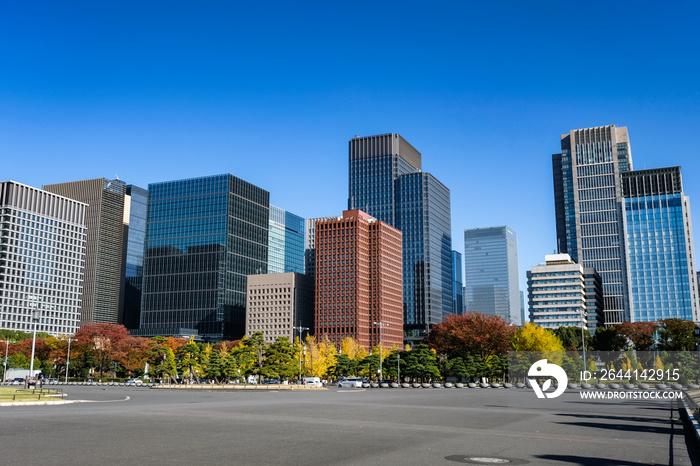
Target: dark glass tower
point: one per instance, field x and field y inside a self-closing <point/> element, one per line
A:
<point x="137" y="200"/>
<point x="386" y="181"/>
<point x="587" y="196"/>
<point x="204" y="236"/>
<point x="457" y="284"/>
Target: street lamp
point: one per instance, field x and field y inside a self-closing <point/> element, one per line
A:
<point x="398" y="366"/>
<point x="583" y="342"/>
<point x="300" y="329"/>
<point x="381" y="326"/>
<point x="68" y="356"/>
<point x="4" y="373"/>
<point x="36" y="316"/>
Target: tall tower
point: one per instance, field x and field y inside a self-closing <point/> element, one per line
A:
<point x="358" y="281"/>
<point x="204" y="237"/>
<point x="659" y="245"/>
<point x="386" y="182"/>
<point x="42" y="251"/>
<point x="136" y="206"/>
<point x="286" y="252"/>
<point x="105" y="258"/>
<point x="587" y="196"/>
<point x="491" y="272"/>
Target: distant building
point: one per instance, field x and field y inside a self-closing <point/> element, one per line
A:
<point x="204" y="237"/>
<point x="286" y="251"/>
<point x="457" y="293"/>
<point x="491" y="272"/>
<point x="587" y="195"/>
<point x="105" y="258"/>
<point x="310" y="245"/>
<point x="137" y="206"/>
<point x="557" y="293"/>
<point x="659" y="243"/>
<point x="595" y="315"/>
<point x="387" y="182"/>
<point x="278" y="304"/>
<point x="358" y="281"/>
<point x="42" y="252"/>
<point x="523" y="316"/>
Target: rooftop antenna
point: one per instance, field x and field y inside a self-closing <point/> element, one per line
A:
<point x="117" y="176"/>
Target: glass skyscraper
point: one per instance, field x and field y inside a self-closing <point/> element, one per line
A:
<point x="659" y="246"/>
<point x="587" y="195"/>
<point x="204" y="236"/>
<point x="491" y="272"/>
<point x="457" y="284"/>
<point x="137" y="204"/>
<point x="386" y="181"/>
<point x="286" y="252"/>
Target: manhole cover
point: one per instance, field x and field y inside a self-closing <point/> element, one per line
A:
<point x="468" y="459"/>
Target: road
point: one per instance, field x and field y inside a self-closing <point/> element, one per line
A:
<point x="348" y="427"/>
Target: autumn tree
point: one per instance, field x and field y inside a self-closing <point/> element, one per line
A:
<point x="350" y="347"/>
<point x="98" y="341"/>
<point x="471" y="333"/>
<point x="534" y="338"/>
<point x="639" y="335"/>
<point x="323" y="354"/>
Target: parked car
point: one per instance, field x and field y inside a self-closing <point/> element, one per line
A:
<point x="350" y="383"/>
<point x="133" y="382"/>
<point x="18" y="381"/>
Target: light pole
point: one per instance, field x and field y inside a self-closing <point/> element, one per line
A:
<point x="68" y="357"/>
<point x="583" y="342"/>
<point x="4" y="364"/>
<point x="381" y="326"/>
<point x="36" y="316"/>
<point x="300" y="329"/>
<point x="398" y="366"/>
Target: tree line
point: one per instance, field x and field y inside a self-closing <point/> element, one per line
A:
<point x="465" y="347"/>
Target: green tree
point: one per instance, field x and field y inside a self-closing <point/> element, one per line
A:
<point x="677" y="335"/>
<point x="250" y="354"/>
<point x="421" y="363"/>
<point x="279" y="360"/>
<point x="344" y="366"/>
<point x="215" y="366"/>
<point x="571" y="337"/>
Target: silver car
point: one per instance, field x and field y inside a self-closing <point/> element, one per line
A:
<point x="350" y="383"/>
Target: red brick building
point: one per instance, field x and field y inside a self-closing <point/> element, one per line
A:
<point x="359" y="280"/>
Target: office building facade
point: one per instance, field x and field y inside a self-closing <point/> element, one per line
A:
<point x="457" y="285"/>
<point x="42" y="257"/>
<point x="386" y="181"/>
<point x="587" y="195"/>
<point x="204" y="237"/>
<point x="278" y="304"/>
<point x="358" y="282"/>
<point x="310" y="245"/>
<point x="287" y="236"/>
<point x="659" y="246"/>
<point x="104" y="276"/>
<point x="135" y="211"/>
<point x="491" y="272"/>
<point x="556" y="293"/>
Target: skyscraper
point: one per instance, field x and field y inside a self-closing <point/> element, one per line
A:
<point x="358" y="281"/>
<point x="310" y="245"/>
<point x="587" y="195"/>
<point x="136" y="205"/>
<point x="286" y="252"/>
<point x="457" y="284"/>
<point x="103" y="284"/>
<point x="386" y="181"/>
<point x="42" y="252"/>
<point x="204" y="237"/>
<point x="659" y="246"/>
<point x="491" y="272"/>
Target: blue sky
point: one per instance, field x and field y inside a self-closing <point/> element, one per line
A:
<point x="273" y="91"/>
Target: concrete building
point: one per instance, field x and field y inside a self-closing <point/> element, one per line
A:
<point x="587" y="194"/>
<point x="286" y="242"/>
<point x="660" y="257"/>
<point x="387" y="182"/>
<point x="556" y="293"/>
<point x="310" y="245"/>
<point x="105" y="256"/>
<point x="42" y="257"/>
<point x="491" y="272"/>
<point x="279" y="303"/>
<point x="358" y="282"/>
<point x="205" y="236"/>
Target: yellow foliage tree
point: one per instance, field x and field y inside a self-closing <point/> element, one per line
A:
<point x="353" y="349"/>
<point x="323" y="355"/>
<point x="534" y="338"/>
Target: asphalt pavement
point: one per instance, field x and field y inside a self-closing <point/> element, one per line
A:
<point x="128" y="425"/>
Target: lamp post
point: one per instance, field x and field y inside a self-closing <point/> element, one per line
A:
<point x="4" y="364"/>
<point x="300" y="329"/>
<point x="381" y="326"/>
<point x="36" y="316"/>
<point x="398" y="366"/>
<point x="68" y="357"/>
<point x="583" y="342"/>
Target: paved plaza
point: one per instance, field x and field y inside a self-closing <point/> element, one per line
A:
<point x="126" y="425"/>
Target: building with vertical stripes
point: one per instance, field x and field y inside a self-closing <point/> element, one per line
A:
<point x="105" y="256"/>
<point x="42" y="254"/>
<point x="358" y="282"/>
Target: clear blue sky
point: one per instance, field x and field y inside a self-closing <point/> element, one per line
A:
<point x="272" y="92"/>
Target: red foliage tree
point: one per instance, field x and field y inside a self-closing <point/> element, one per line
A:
<point x="641" y="334"/>
<point x="472" y="333"/>
<point x="100" y="341"/>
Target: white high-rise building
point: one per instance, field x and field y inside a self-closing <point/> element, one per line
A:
<point x="42" y="257"/>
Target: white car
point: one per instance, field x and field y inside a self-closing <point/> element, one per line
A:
<point x="350" y="383"/>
